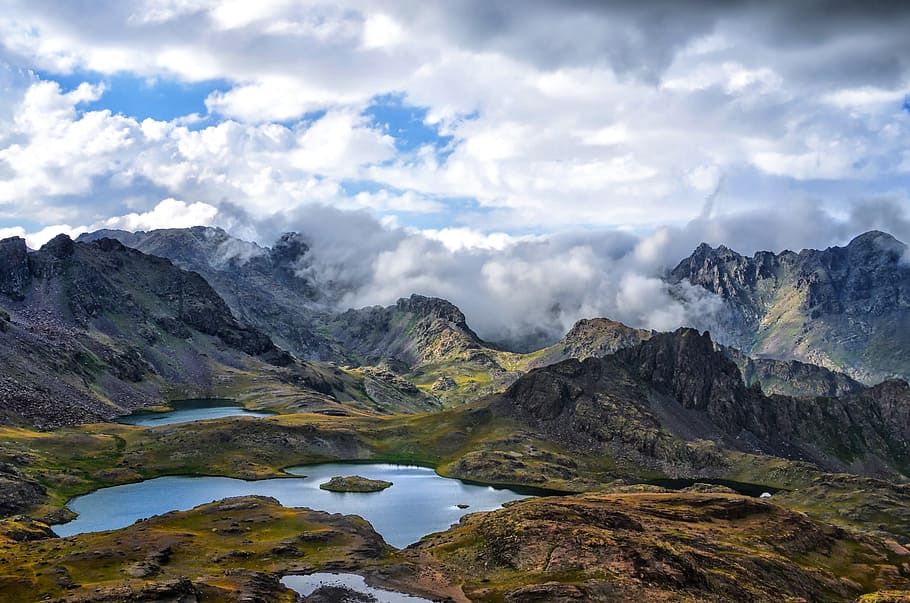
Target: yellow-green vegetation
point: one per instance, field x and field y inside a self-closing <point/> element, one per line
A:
<point x="855" y="502"/>
<point x="661" y="547"/>
<point x="470" y="442"/>
<point x="355" y="483"/>
<point x="886" y="596"/>
<point x="231" y="550"/>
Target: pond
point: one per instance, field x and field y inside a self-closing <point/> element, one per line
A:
<point x="190" y="410"/>
<point x="419" y="502"/>
<point x="306" y="585"/>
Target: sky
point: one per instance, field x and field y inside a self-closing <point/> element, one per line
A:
<point x="491" y="134"/>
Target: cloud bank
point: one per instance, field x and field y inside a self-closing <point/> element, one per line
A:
<point x="534" y="116"/>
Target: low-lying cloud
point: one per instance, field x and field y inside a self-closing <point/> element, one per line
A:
<point x="523" y="290"/>
<point x="533" y="289"/>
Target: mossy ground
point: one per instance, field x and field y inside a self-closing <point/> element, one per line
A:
<point x="661" y="547"/>
<point x="224" y="548"/>
<point x="470" y="442"/>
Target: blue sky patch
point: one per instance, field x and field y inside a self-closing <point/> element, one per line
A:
<point x="406" y="123"/>
<point x="137" y="97"/>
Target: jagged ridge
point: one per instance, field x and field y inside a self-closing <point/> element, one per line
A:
<point x="677" y="401"/>
<point x="845" y="308"/>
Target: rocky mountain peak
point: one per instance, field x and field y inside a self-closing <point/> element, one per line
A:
<point x="60" y="247"/>
<point x="874" y="237"/>
<point x="432" y="307"/>
<point x="287" y="252"/>
<point x="801" y="306"/>
<point x="875" y="248"/>
<point x="688" y="365"/>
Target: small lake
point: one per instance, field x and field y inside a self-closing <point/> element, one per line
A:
<point x="419" y="502"/>
<point x="190" y="410"/>
<point x="744" y="488"/>
<point x="306" y="585"/>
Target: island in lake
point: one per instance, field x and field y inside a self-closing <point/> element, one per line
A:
<point x="354" y="483"/>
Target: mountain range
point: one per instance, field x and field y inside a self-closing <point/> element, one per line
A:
<point x="107" y="317"/>
<point x="801" y="392"/>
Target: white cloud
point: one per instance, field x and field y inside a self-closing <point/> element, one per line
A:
<point x="558" y="116"/>
<point x="36" y="239"/>
<point x="169" y="213"/>
<point x="383" y="201"/>
<point x="381" y="31"/>
<point x="459" y="239"/>
<point x="865" y="96"/>
<point x="15" y="231"/>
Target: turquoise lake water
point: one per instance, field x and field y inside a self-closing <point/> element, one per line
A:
<point x="419" y="502"/>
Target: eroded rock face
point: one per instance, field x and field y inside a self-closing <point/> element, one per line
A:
<point x="94" y="322"/>
<point x="846" y="308"/>
<point x="17" y="493"/>
<point x="15" y="275"/>
<point x="263" y="287"/>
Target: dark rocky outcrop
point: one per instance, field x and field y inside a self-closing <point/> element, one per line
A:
<point x="665" y="398"/>
<point x="15" y="274"/>
<point x="17" y="492"/>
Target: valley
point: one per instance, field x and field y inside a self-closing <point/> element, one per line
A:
<point x="114" y="322"/>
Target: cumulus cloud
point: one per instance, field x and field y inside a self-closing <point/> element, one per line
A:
<point x="618" y="113"/>
<point x="568" y="152"/>
<point x="169" y="213"/>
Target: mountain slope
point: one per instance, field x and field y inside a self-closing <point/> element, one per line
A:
<point x="422" y="339"/>
<point x="89" y="331"/>
<point x="588" y="338"/>
<point x="792" y="377"/>
<point x="845" y="308"/>
<point x="260" y="285"/>
<point x="677" y="403"/>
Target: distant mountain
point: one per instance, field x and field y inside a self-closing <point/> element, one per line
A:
<point x="591" y="338"/>
<point x="599" y="337"/>
<point x="420" y="339"/>
<point x="416" y="330"/>
<point x="427" y="342"/>
<point x="89" y="331"/>
<point x="260" y="285"/>
<point x="844" y="308"/>
<point x="92" y="330"/>
<point x="792" y="377"/>
<point x="677" y="403"/>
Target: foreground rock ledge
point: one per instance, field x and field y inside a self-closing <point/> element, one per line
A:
<point x="661" y="547"/>
<point x="235" y="549"/>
